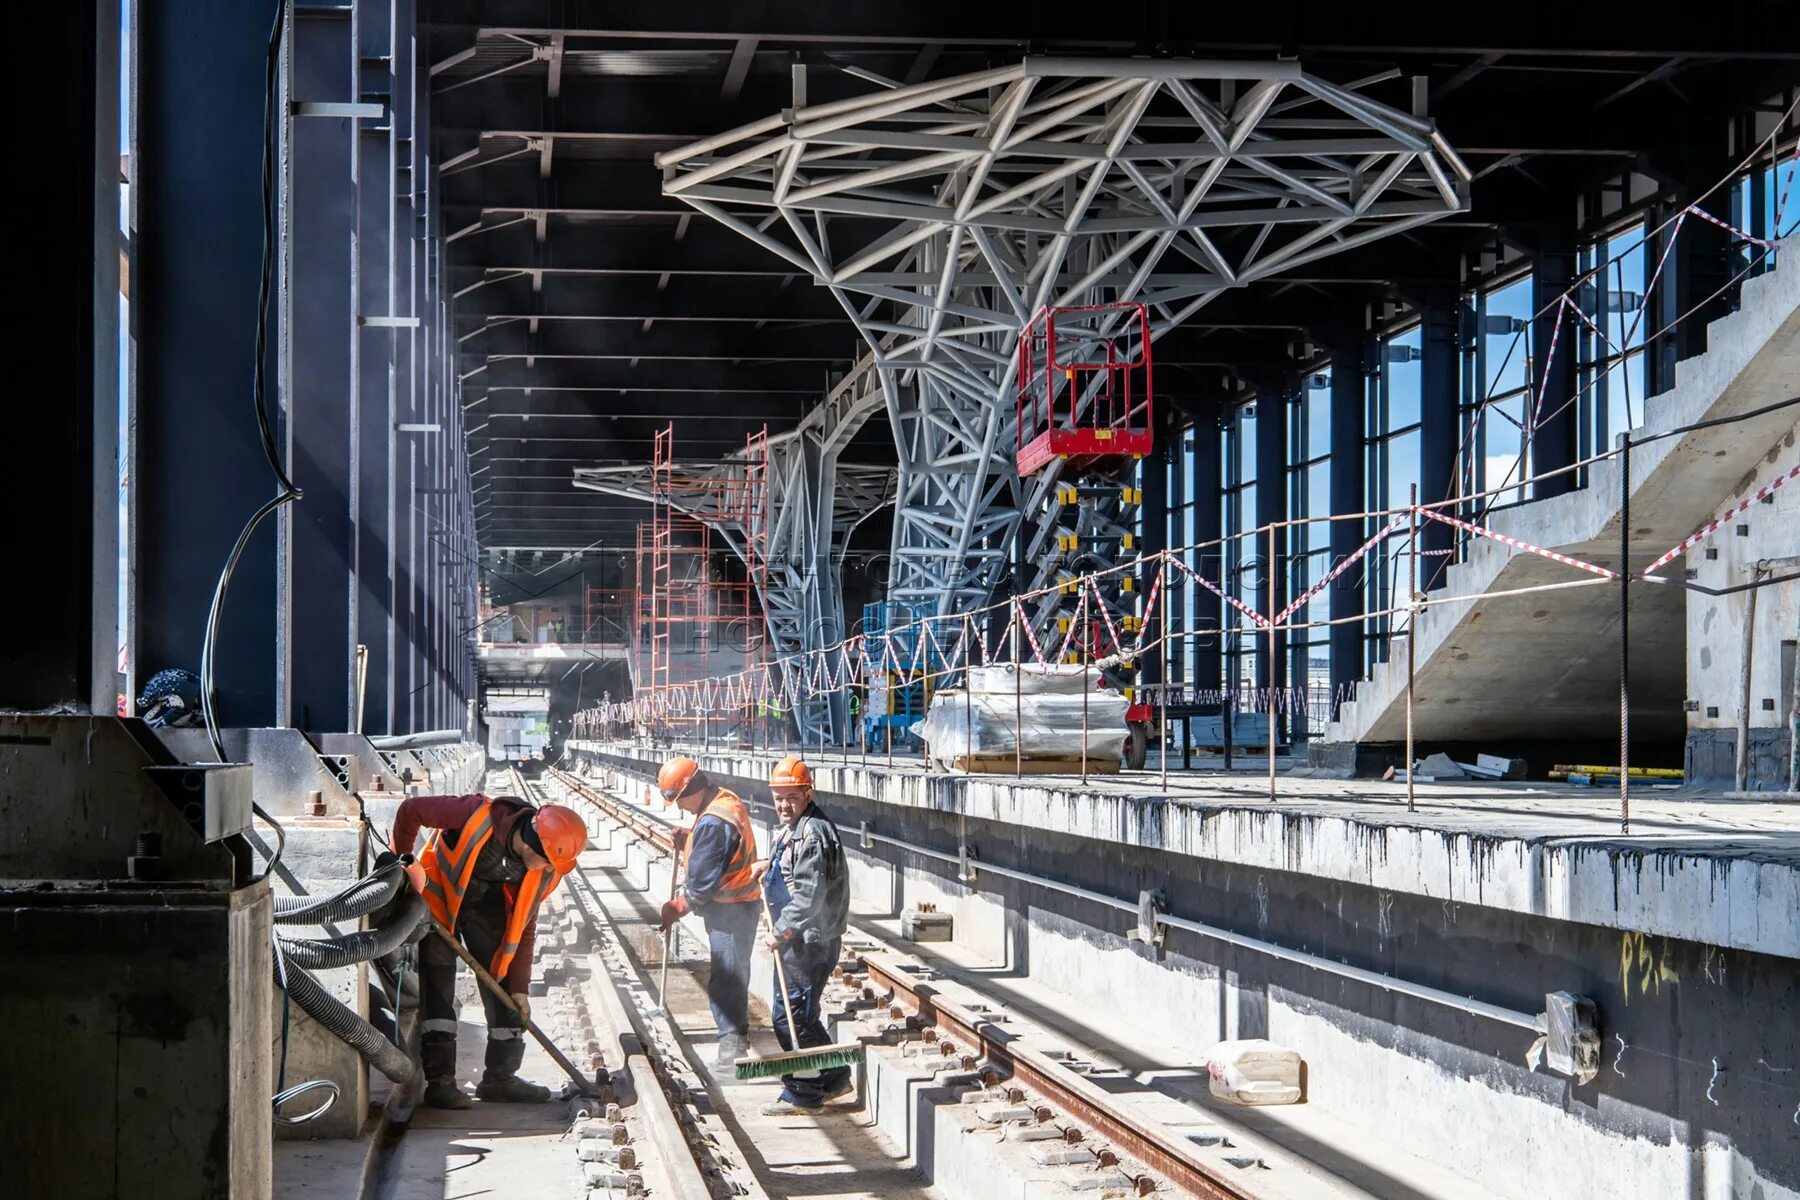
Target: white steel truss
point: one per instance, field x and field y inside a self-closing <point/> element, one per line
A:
<point x="814" y="503"/>
<point x="944" y="214"/>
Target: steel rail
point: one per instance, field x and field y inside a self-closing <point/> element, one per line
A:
<point x="638" y="824"/>
<point x="1085" y="1101"/>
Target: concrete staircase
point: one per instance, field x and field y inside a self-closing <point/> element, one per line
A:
<point x="1545" y="665"/>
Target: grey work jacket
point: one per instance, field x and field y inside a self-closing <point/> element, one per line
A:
<point x="811" y="859"/>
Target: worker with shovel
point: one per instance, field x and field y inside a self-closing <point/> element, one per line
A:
<point x="720" y="886"/>
<point x="487" y="867"/>
<point x="807" y="884"/>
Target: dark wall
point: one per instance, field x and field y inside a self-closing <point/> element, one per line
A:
<point x="1677" y="1005"/>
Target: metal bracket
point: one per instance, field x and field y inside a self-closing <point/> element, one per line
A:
<point x="366" y="110"/>
<point x="1150" y="929"/>
<point x="965" y="864"/>
<point x="864" y="839"/>
<point x="213" y="799"/>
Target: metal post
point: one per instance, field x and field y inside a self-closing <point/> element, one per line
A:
<point x="1018" y="694"/>
<point x="1269" y="691"/>
<point x="1412" y="641"/>
<point x="968" y="691"/>
<point x="1162" y="658"/>
<point x="1083" y="652"/>
<point x="1624" y="632"/>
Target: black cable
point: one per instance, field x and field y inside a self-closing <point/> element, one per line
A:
<point x="287" y="493"/>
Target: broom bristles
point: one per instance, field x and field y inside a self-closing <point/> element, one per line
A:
<point x="808" y="1061"/>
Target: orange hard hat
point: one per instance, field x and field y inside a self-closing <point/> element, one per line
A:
<point x="562" y="833"/>
<point x="791" y="772"/>
<point x="678" y="777"/>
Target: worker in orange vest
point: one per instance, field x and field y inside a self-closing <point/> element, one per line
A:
<point x="721" y="886"/>
<point x="487" y="867"/>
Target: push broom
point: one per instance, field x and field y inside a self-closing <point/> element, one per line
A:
<point x="804" y="1062"/>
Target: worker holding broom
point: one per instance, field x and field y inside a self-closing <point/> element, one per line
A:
<point x="807" y="887"/>
<point x="489" y="864"/>
<point x="722" y="888"/>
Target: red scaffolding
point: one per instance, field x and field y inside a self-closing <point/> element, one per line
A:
<point x="697" y="610"/>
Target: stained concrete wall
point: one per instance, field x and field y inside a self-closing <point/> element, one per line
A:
<point x="323" y="855"/>
<point x="1657" y="1121"/>
<point x="135" y="1026"/>
<point x="1719" y="636"/>
<point x="1737" y="894"/>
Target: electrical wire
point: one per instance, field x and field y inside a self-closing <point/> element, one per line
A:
<point x="287" y="493"/>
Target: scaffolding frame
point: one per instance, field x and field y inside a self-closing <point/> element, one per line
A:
<point x="695" y="618"/>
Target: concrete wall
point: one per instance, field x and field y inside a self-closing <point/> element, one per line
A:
<point x="1718" y="631"/>
<point x="135" y="1027"/>
<point x="1656" y="1122"/>
<point x="1741" y="895"/>
<point x="323" y="855"/>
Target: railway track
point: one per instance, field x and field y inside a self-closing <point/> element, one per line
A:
<point x="651" y="1131"/>
<point x="894" y="1001"/>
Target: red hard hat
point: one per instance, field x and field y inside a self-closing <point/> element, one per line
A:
<point x="791" y="772"/>
<point x="678" y="777"/>
<point x="562" y="833"/>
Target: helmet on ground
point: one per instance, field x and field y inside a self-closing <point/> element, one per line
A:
<point x="562" y="833"/>
<point x="791" y="772"/>
<point x="678" y="777"/>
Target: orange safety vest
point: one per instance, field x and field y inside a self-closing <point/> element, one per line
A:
<point x="738" y="884"/>
<point x="448" y="870"/>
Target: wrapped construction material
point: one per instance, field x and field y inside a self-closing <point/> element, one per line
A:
<point x="1068" y="679"/>
<point x="1049" y="725"/>
<point x="1254" y="1071"/>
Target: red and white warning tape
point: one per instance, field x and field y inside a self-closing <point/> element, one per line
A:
<point x="1255" y="617"/>
<point x="1712" y="526"/>
<point x="1518" y="544"/>
<point x="1299" y="603"/>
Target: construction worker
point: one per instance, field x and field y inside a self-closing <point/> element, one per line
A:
<point x="721" y="887"/>
<point x="808" y="886"/>
<point x="487" y="867"/>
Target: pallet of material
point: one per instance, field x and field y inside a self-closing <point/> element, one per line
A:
<point x="1034" y="764"/>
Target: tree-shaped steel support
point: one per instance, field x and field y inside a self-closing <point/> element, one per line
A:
<point x="945" y="214"/>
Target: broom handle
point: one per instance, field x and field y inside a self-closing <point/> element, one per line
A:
<point x="662" y="988"/>
<point x="493" y="985"/>
<point x="787" y="1009"/>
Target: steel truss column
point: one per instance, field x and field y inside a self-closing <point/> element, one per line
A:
<point x="1440" y="376"/>
<point x="1043" y="184"/>
<point x="372" y="352"/>
<point x="814" y="503"/>
<point x="319" y="330"/>
<point x="1349" y="494"/>
<point x="200" y="469"/>
<point x="1555" y="429"/>
<point x="1207" y="615"/>
<point x="1273" y="419"/>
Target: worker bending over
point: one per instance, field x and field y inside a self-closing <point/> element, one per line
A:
<point x="721" y="886"/>
<point x="488" y="865"/>
<point x="808" y="886"/>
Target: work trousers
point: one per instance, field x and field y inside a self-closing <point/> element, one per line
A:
<point x="480" y="927"/>
<point x="808" y="970"/>
<point x="730" y="935"/>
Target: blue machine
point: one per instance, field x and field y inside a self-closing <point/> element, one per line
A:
<point x="896" y="698"/>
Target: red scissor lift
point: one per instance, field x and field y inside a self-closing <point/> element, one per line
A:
<point x="1086" y="399"/>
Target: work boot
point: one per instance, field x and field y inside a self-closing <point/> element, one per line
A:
<point x="437" y="1058"/>
<point x="500" y="1082"/>
<point x="732" y="1046"/>
<point x="787" y="1108"/>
